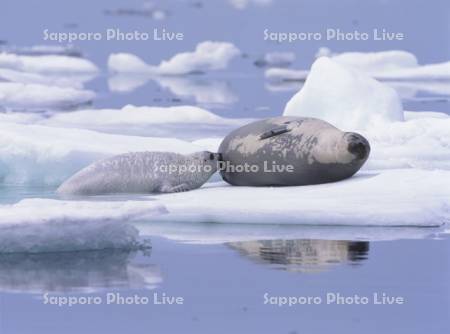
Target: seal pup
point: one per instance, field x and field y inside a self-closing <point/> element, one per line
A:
<point x="143" y="172"/>
<point x="290" y="151"/>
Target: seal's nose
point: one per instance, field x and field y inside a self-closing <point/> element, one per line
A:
<point x="358" y="145"/>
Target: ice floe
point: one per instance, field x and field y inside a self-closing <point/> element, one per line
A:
<point x="243" y="4"/>
<point x="186" y="122"/>
<point x="71" y="80"/>
<point x="45" y="50"/>
<point x="346" y="98"/>
<point x="45" y="225"/>
<point x="49" y="64"/>
<point x="394" y="64"/>
<point x="36" y="154"/>
<point x="390" y="198"/>
<point x="423" y="141"/>
<point x="377" y="62"/>
<point x="385" y="65"/>
<point x="208" y="56"/>
<point x="37" y="96"/>
<point x="276" y="59"/>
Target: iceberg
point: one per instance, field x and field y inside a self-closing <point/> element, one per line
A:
<point x="36" y="154"/>
<point x="46" y="225"/>
<point x="48" y="64"/>
<point x="345" y="98"/>
<point x="208" y="56"/>
<point x="17" y="95"/>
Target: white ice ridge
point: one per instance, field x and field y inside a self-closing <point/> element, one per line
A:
<point x="207" y="56"/>
<point x="45" y="225"/>
<point x="346" y="98"/>
<point x="48" y="64"/>
<point x="37" y="154"/>
<point x="36" y="96"/>
<point x="390" y="198"/>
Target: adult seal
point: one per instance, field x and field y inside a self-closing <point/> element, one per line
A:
<point x="290" y="151"/>
<point x="143" y="172"/>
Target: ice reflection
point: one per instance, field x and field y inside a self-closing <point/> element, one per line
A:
<point x="204" y="91"/>
<point x="303" y="255"/>
<point x="86" y="272"/>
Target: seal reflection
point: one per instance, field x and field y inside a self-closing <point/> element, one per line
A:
<point x="82" y="272"/>
<point x="303" y="255"/>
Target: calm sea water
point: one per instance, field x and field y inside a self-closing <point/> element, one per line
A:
<point x="223" y="285"/>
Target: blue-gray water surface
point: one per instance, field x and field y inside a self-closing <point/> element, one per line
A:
<point x="223" y="285"/>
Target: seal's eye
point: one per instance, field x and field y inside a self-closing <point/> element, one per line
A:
<point x="211" y="156"/>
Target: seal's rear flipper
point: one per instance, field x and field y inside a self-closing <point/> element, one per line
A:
<point x="175" y="189"/>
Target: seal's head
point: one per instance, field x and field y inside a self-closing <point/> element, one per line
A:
<point x="358" y="146"/>
<point x="208" y="160"/>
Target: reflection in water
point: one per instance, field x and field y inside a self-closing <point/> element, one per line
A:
<point x="304" y="255"/>
<point x="204" y="91"/>
<point x="86" y="272"/>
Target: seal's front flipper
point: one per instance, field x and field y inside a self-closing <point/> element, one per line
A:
<point x="175" y="189"/>
<point x="275" y="132"/>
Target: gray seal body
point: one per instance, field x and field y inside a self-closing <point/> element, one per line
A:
<point x="143" y="172"/>
<point x="290" y="151"/>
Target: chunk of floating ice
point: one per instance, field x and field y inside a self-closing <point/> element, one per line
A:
<point x="377" y="62"/>
<point x="36" y="96"/>
<point x="45" y="50"/>
<point x="133" y="115"/>
<point x="71" y="80"/>
<point x="276" y="59"/>
<point x="286" y="74"/>
<point x="384" y="65"/>
<point x="423" y="141"/>
<point x="345" y="98"/>
<point x="48" y="155"/>
<point x="391" y="198"/>
<point x="186" y="122"/>
<point x="208" y="56"/>
<point x="45" y="225"/>
<point x="46" y="64"/>
<point x="243" y="4"/>
<point x="393" y="64"/>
